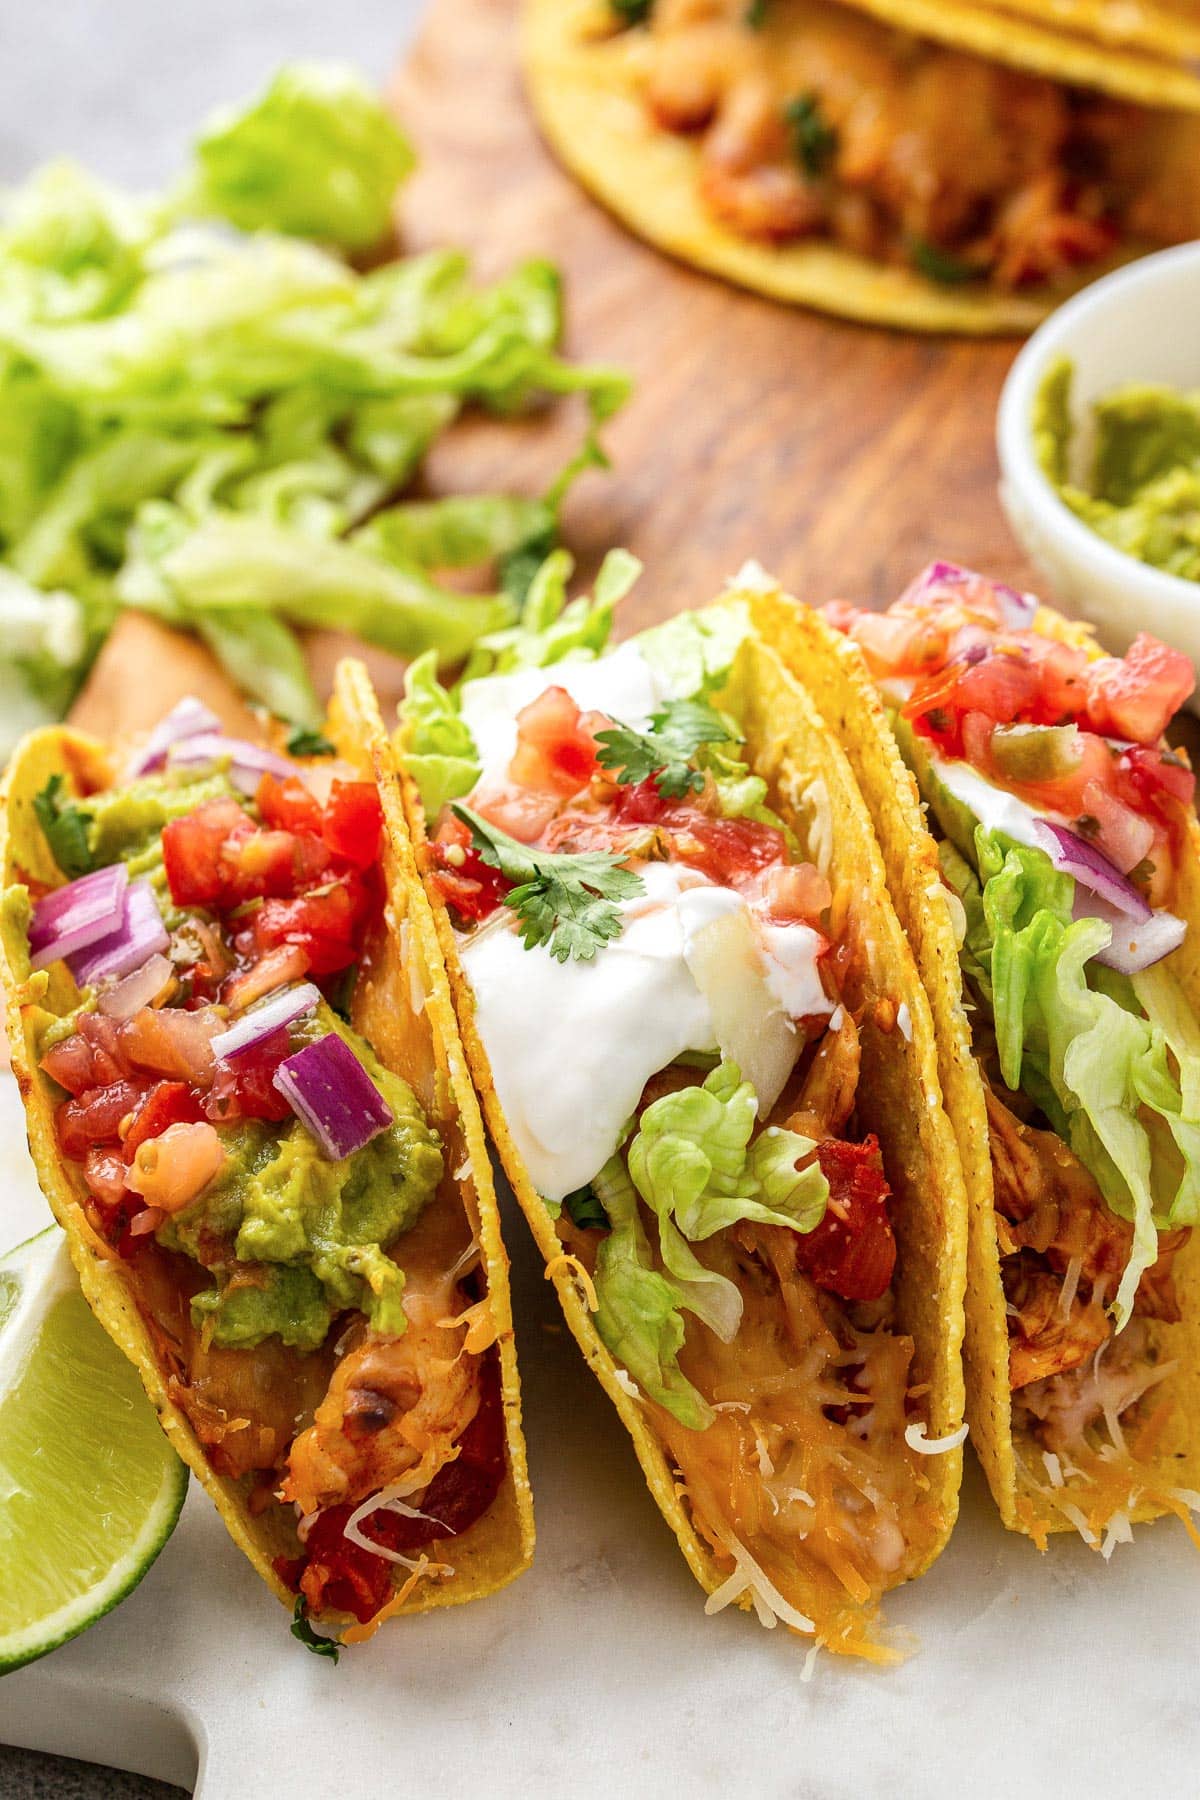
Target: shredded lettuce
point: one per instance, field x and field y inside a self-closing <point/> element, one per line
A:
<point x="639" y="1313"/>
<point x="45" y="639"/>
<point x="692" y="1162"/>
<point x="438" y="749"/>
<point x="316" y="156"/>
<point x="206" y="411"/>
<point x="693" y="652"/>
<point x="1113" y="1063"/>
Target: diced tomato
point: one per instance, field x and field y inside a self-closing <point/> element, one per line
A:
<point x="726" y="850"/>
<point x="1136" y="696"/>
<point x="640" y="803"/>
<point x="218" y="857"/>
<point x="172" y="1042"/>
<point x="274" y="970"/>
<point x="104" y="1172"/>
<point x="471" y="887"/>
<point x="334" y="1573"/>
<point x="244" y="1086"/>
<point x="166" y="1103"/>
<point x="193" y="849"/>
<point x="90" y="1058"/>
<point x="353" y="822"/>
<point x="795" y="891"/>
<point x="1156" y="774"/>
<point x="95" y="1117"/>
<point x="852" y="1252"/>
<point x="286" y="803"/>
<point x="555" y="747"/>
<point x="324" y="923"/>
<point x="171" y="1170"/>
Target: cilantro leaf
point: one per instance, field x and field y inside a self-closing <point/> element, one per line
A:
<point x="676" y="732"/>
<point x="585" y="1209"/>
<point x="941" y="265"/>
<point x="567" y="903"/>
<point x="304" y="742"/>
<point x="301" y="1629"/>
<point x="65" y="827"/>
<point x="814" y="139"/>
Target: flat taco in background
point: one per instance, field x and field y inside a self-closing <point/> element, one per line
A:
<point x="1044" y="857"/>
<point x="248" y="1108"/>
<point x="1169" y="29"/>
<point x="935" y="166"/>
<point x="708" y="1065"/>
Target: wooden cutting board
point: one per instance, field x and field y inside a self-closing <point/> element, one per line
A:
<point x="842" y="457"/>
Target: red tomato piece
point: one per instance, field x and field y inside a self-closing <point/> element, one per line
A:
<point x="324" y="923"/>
<point x="1136" y="696"/>
<point x="285" y="802"/>
<point x="243" y="1087"/>
<point x="166" y="1103"/>
<point x="852" y="1252"/>
<point x="94" y="1118"/>
<point x="555" y="747"/>
<point x="90" y="1058"/>
<point x="353" y="822"/>
<point x="193" y="849"/>
<point x="471" y="887"/>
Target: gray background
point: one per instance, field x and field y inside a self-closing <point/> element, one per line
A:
<point x="120" y="84"/>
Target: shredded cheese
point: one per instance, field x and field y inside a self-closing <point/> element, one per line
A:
<point x="358" y="1634"/>
<point x="1070" y="1287"/>
<point x="904" y="1021"/>
<point x="626" y="1383"/>
<point x="752" y="578"/>
<point x="481" y="1327"/>
<point x="810" y="1662"/>
<point x="749" y="1578"/>
<point x="388" y="1499"/>
<point x="1053" y="1468"/>
<point x="914" y="1437"/>
<point x="464" y="1171"/>
<point x="564" y="1260"/>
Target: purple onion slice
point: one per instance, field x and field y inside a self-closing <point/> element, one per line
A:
<point x="77" y="915"/>
<point x="140" y="935"/>
<point x="263" y="1020"/>
<point x="247" y="762"/>
<point x="331" y="1093"/>
<point x="188" y="719"/>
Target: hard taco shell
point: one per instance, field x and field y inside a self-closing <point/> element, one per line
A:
<point x="402" y="1006"/>
<point x="810" y="784"/>
<point x="842" y="689"/>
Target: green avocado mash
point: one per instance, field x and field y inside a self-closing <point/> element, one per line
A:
<point x="124" y="824"/>
<point x="293" y="1238"/>
<point x="1144" y="487"/>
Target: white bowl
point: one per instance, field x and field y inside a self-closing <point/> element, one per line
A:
<point x="1140" y="324"/>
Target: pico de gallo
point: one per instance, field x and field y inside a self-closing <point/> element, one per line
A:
<point x="1065" y="823"/>
<point x="657" y="969"/>
<point x="309" y="1281"/>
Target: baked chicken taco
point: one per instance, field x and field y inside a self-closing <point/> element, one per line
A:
<point x="248" y="1108"/>
<point x="922" y="163"/>
<point x="707" y="1064"/>
<point x="1045" y="862"/>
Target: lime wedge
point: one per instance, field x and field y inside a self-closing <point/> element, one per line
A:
<point x="90" y="1489"/>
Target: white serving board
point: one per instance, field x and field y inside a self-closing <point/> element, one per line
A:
<point x="597" y="1674"/>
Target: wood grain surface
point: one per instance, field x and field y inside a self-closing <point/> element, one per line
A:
<point x="842" y="457"/>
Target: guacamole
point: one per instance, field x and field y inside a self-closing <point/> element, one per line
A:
<point x="1143" y="492"/>
<point x="292" y="1238"/>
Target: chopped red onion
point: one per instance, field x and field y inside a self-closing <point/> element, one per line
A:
<point x="247" y="762"/>
<point x="79" y="914"/>
<point x="136" y="990"/>
<point x="1092" y="869"/>
<point x="331" y="1093"/>
<point x="1018" y="611"/>
<point x="269" y="1016"/>
<point x="1137" y="944"/>
<point x="141" y="934"/>
<point x="189" y="719"/>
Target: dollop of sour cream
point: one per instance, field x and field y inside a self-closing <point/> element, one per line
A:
<point x="621" y="684"/>
<point x="995" y="809"/>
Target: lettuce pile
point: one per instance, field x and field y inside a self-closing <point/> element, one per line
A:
<point x="207" y="412"/>
<point x="1112" y="1060"/>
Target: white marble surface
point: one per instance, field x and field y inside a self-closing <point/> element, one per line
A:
<point x="596" y="1674"/>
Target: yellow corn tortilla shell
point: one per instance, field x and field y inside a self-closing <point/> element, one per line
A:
<point x="1165" y="28"/>
<point x="899" y="1098"/>
<point x="402" y="1006"/>
<point x="837" y="677"/>
<point x="586" y="88"/>
<point x="1127" y="74"/>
